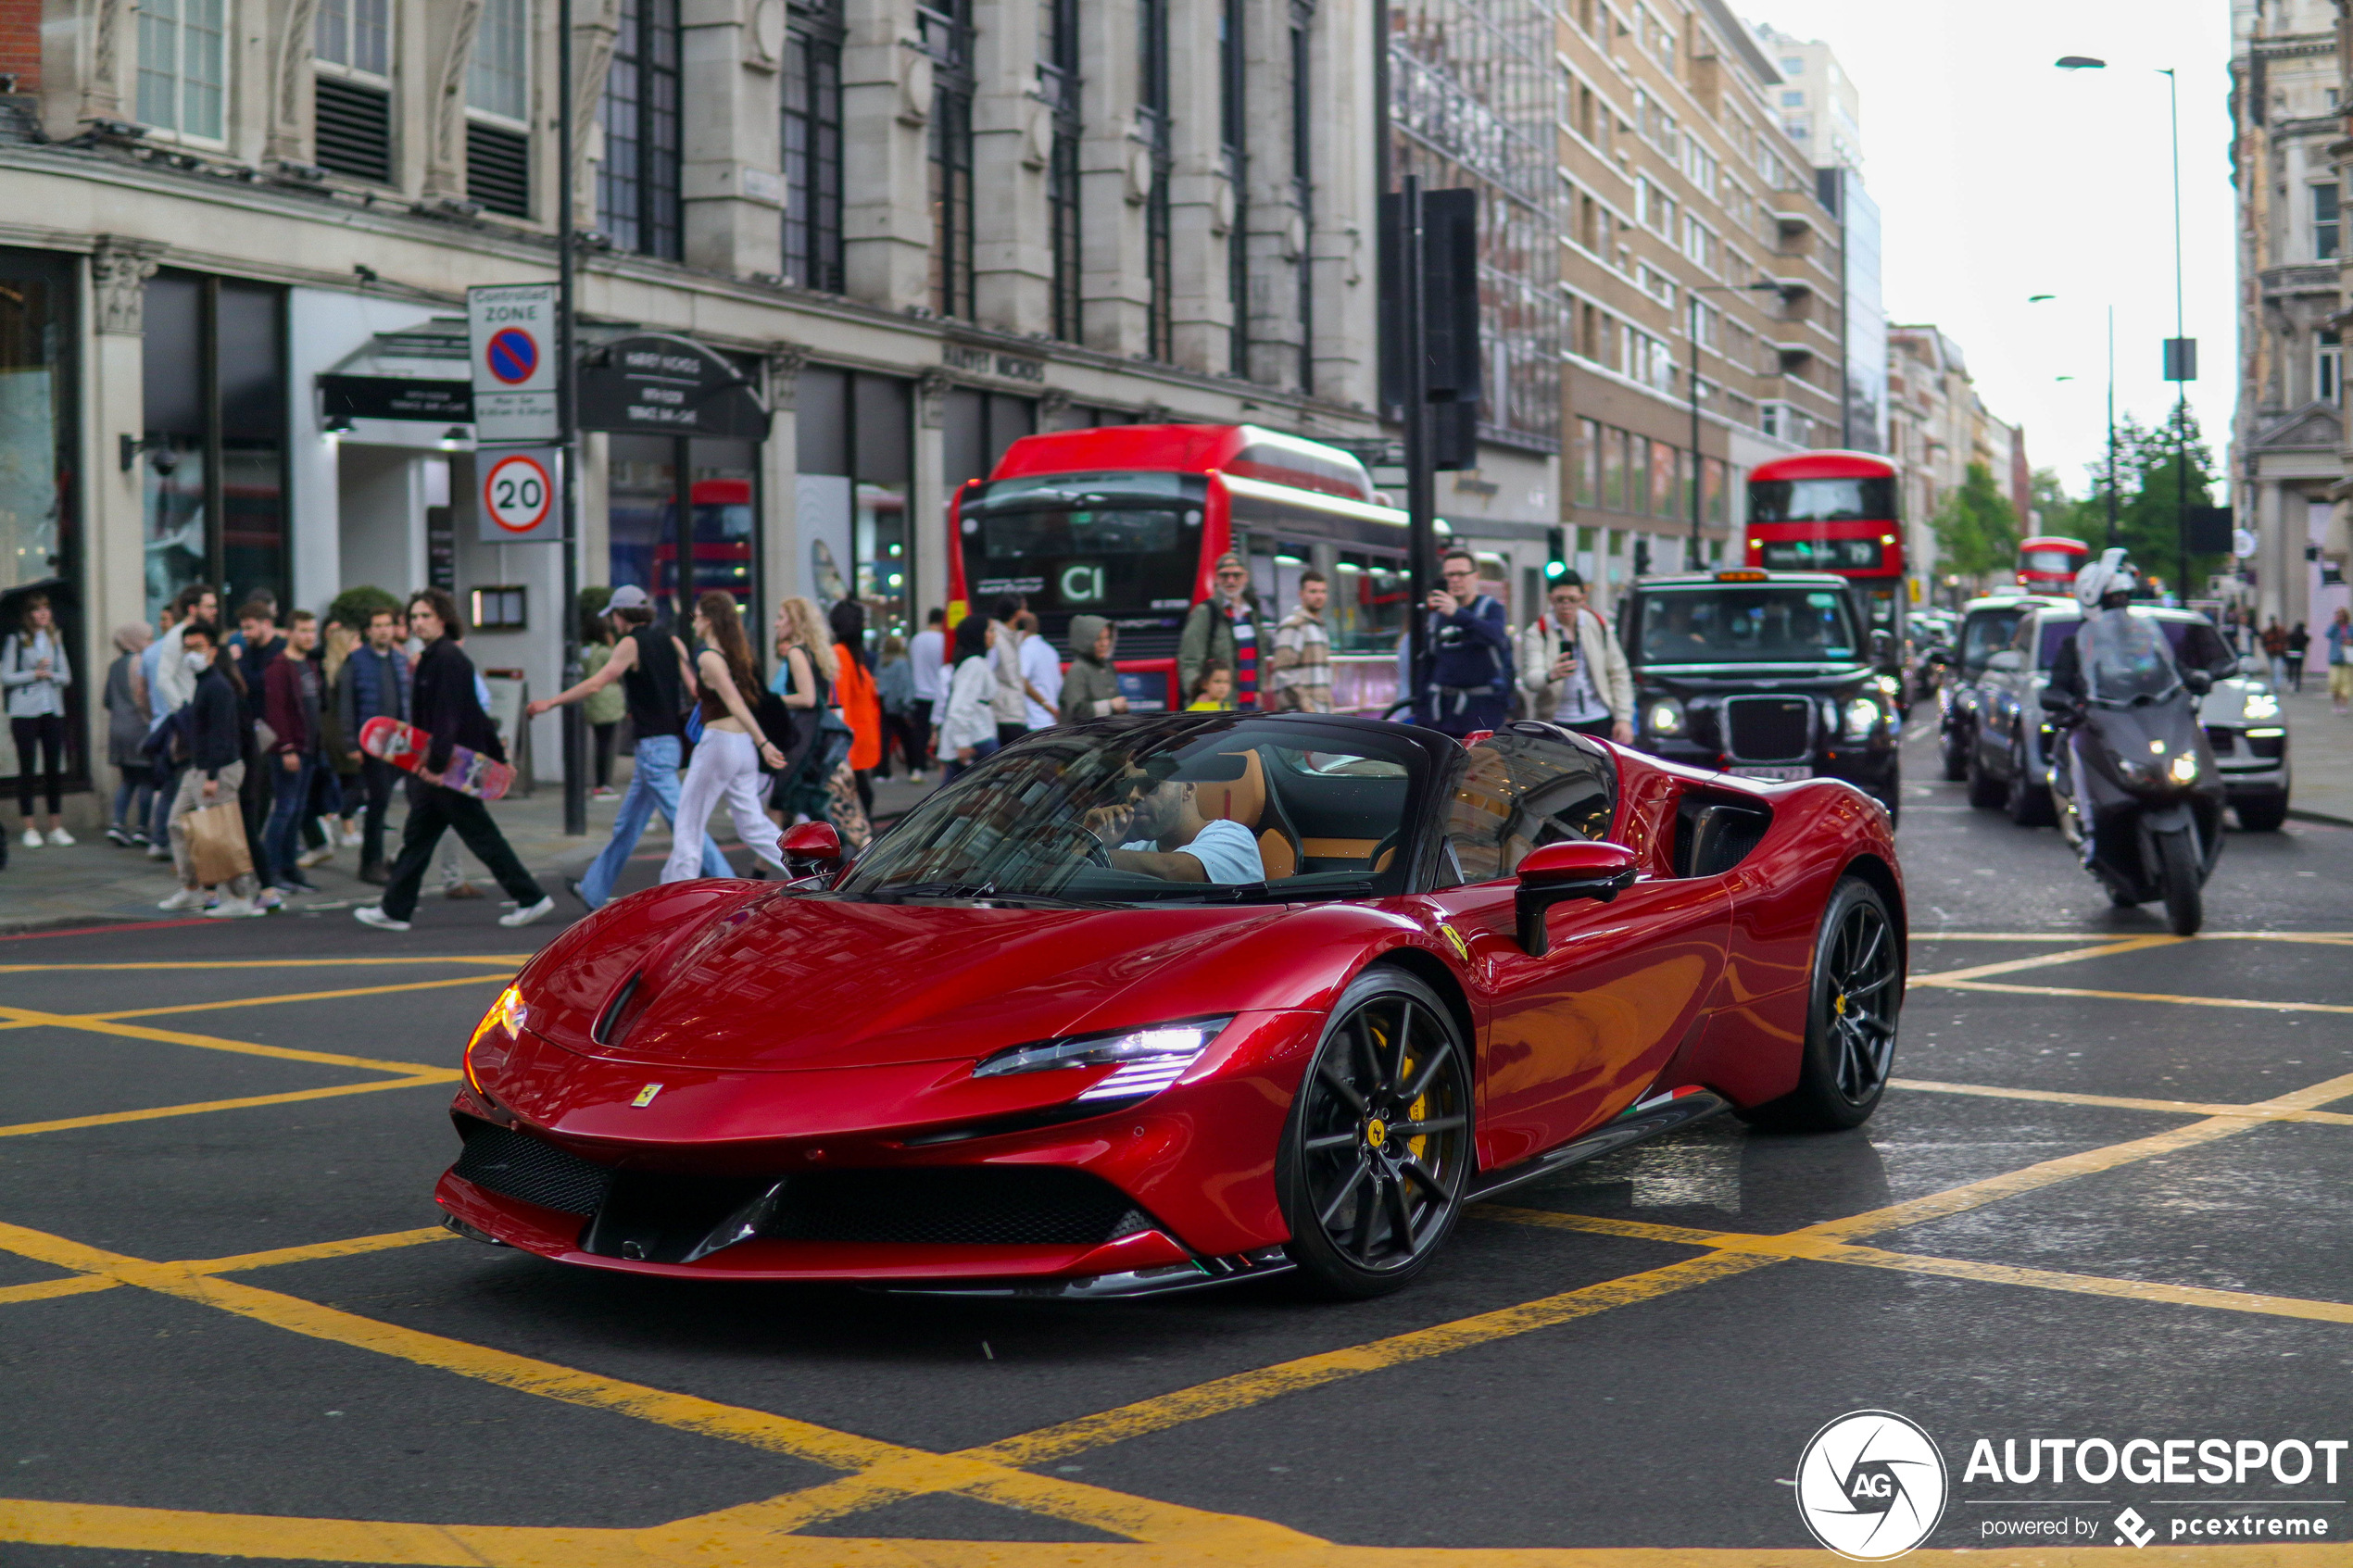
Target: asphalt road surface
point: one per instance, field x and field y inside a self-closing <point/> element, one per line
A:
<point x="2111" y="1199"/>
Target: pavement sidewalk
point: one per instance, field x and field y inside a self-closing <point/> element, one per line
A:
<point x="2320" y="750"/>
<point x="93" y="881"/>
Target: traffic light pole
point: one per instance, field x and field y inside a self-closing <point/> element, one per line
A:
<point x="1421" y="481"/>
<point x="575" y="730"/>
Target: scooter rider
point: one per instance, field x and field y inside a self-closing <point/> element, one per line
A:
<point x="2104" y="589"/>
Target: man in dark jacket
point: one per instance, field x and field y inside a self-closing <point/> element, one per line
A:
<point x="1470" y="684"/>
<point x="374" y="685"/>
<point x="214" y="728"/>
<point x="290" y="707"/>
<point x="441" y="702"/>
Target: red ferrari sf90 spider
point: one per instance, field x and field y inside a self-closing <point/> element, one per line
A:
<point x="1153" y="1003"/>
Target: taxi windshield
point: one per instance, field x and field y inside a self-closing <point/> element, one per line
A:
<point x="1728" y="624"/>
<point x="2126" y="660"/>
<point x="1164" y="810"/>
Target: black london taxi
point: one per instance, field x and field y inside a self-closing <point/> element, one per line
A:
<point x="1763" y="674"/>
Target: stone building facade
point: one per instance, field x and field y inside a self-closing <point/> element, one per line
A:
<point x="235" y="237"/>
<point x="2289" y="459"/>
<point x="1938" y="426"/>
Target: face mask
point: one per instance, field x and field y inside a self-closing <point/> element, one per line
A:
<point x="196" y="661"/>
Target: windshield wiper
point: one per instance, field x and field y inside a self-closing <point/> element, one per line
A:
<point x="983" y="890"/>
<point x="1257" y="891"/>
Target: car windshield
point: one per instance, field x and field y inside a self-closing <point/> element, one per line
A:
<point x="2126" y="658"/>
<point x="1164" y="810"/>
<point x="1989" y="633"/>
<point x="1766" y="624"/>
<point x="2198" y="645"/>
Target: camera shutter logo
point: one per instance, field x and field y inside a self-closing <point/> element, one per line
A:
<point x="1872" y="1486"/>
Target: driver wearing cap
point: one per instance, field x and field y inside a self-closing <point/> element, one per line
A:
<point x="1171" y="839"/>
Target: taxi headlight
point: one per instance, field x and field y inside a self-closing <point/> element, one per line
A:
<point x="1862" y="718"/>
<point x="1664" y="717"/>
<point x="2262" y="705"/>
<point x="2182" y="768"/>
<point x="1148" y="1059"/>
<point x="507" y="1017"/>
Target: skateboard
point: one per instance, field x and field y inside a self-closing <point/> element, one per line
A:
<point x="406" y="747"/>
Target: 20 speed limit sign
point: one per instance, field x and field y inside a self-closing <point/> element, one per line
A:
<point x="519" y="496"/>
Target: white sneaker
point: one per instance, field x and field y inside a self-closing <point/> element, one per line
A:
<point x="58" y="835"/>
<point x="158" y="852"/>
<point x="33" y="839"/>
<point x="369" y="914"/>
<point x="187" y="899"/>
<point x="353" y="838"/>
<point x="525" y="917"/>
<point x="268" y="899"/>
<point x="235" y="908"/>
<point x="317" y="857"/>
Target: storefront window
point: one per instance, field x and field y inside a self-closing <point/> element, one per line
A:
<point x="213" y="480"/>
<point x="38" y="500"/>
<point x="641" y="510"/>
<point x="854" y="431"/>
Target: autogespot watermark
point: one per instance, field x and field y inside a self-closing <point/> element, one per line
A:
<point x="1872" y="1485"/>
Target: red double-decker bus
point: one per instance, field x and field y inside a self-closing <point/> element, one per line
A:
<point x="1126" y="522"/>
<point x="1835" y="511"/>
<point x="2048" y="563"/>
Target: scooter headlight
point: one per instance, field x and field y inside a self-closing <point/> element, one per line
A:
<point x="2182" y="769"/>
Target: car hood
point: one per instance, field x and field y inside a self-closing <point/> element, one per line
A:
<point x="1690" y="680"/>
<point x="784" y="982"/>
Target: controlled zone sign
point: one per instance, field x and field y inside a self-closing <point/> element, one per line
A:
<point x="511" y="332"/>
<point x="518" y="495"/>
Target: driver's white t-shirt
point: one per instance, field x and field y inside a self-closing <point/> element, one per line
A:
<point x="1226" y="850"/>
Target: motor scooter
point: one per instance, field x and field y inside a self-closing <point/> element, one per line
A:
<point x="2153" y="790"/>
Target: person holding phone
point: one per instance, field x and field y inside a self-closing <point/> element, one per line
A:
<point x="1573" y="668"/>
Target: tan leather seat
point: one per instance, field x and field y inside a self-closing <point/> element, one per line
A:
<point x="1243" y="801"/>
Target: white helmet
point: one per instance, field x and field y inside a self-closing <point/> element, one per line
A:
<point x="2110" y="574"/>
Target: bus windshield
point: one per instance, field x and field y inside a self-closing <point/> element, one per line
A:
<point x="1822" y="500"/>
<point x="1116" y="544"/>
<point x="1734" y="625"/>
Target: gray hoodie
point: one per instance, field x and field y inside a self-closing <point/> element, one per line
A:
<point x="1089" y="685"/>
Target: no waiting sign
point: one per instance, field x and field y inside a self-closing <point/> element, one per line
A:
<point x="518" y="495"/>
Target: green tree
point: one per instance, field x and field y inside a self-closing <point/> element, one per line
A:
<point x="1976" y="527"/>
<point x="354" y="606"/>
<point x="2054" y="511"/>
<point x="2148" y="475"/>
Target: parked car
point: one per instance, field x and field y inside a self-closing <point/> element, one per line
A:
<point x="1765" y="675"/>
<point x="1984" y="629"/>
<point x="2008" y="754"/>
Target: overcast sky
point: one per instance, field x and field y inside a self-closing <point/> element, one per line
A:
<point x="2000" y="177"/>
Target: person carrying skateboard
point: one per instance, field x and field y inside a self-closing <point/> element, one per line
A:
<point x="442" y="703"/>
<point x="656" y="680"/>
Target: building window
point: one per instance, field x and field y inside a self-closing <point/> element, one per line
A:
<point x="2324" y="222"/>
<point x="812" y="146"/>
<point x="498" y="106"/>
<point x="355" y="35"/>
<point x="1232" y="117"/>
<point x="498" y="79"/>
<point x="946" y="30"/>
<point x="1303" y="179"/>
<point x="1058" y="75"/>
<point x="183" y="71"/>
<point x="1586" y="464"/>
<point x="638" y="183"/>
<point x="2328" y="380"/>
<point x="1152" y="118"/>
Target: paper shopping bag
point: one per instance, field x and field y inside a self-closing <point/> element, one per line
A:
<point x="216" y="842"/>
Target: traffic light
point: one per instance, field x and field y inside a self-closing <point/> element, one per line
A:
<point x="1555" y="553"/>
<point x="1642" y="558"/>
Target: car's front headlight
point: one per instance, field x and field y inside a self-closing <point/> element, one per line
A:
<point x="1862" y="718"/>
<point x="2262" y="705"/>
<point x="1664" y="717"/>
<point x="507" y="1017"/>
<point x="1148" y="1059"/>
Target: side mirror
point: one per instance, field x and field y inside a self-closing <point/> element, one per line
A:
<point x="812" y="841"/>
<point x="1555" y="873"/>
<point x="2057" y="702"/>
<point x="2250" y="665"/>
<point x="2198" y="681"/>
<point x="1882" y="647"/>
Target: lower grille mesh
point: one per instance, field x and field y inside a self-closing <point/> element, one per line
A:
<point x="533" y="1170"/>
<point x="1002" y="1206"/>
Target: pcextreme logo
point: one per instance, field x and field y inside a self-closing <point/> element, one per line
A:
<point x="1870" y="1485"/>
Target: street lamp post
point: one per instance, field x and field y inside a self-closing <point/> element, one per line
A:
<point x="1692" y="553"/>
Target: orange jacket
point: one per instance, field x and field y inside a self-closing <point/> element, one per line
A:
<point x="855" y="691"/>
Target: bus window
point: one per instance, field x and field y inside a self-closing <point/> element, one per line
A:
<point x="1369" y="605"/>
<point x="1066" y="559"/>
<point x="1821" y="500"/>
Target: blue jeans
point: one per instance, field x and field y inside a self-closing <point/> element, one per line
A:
<point x="283" y="838"/>
<point x="955" y="770"/>
<point x="653" y="785"/>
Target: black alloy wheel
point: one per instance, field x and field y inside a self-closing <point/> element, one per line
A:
<point x="1984" y="790"/>
<point x="2029" y="800"/>
<point x="1955" y="755"/>
<point x="1850" y="1031"/>
<point x="1377" y="1149"/>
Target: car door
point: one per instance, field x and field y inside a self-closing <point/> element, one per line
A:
<point x="1574" y="1036"/>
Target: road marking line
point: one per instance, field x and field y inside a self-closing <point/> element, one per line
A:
<point x="302" y="997"/>
<point x="94" y="1025"/>
<point x="2044" y="961"/>
<point x="350" y="1247"/>
<point x="1053" y="1496"/>
<point x="43" y="1290"/>
<point x="2332" y="936"/>
<point x="161" y="1113"/>
<point x="2119" y="1102"/>
<point x="509" y="960"/>
<point x="2240" y="1002"/>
